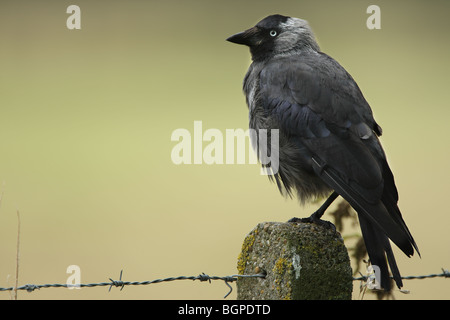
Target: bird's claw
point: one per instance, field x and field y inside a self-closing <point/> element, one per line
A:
<point x="315" y="220"/>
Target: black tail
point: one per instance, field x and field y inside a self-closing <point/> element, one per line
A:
<point x="378" y="246"/>
<point x="379" y="222"/>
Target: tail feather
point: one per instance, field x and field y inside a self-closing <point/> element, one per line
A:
<point x="390" y="199"/>
<point x="378" y="247"/>
<point x="379" y="222"/>
<point x="393" y="266"/>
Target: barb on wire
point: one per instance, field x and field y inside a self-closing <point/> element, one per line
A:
<point x="117" y="283"/>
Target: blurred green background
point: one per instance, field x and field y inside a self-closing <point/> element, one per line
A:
<point x="86" y="118"/>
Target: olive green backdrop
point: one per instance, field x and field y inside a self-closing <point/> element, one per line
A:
<point x="86" y="118"/>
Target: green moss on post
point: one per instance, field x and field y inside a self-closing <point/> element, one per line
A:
<point x="302" y="261"/>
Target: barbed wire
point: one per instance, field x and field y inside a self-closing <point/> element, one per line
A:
<point x="120" y="283"/>
<point x="445" y="274"/>
<point x="201" y="277"/>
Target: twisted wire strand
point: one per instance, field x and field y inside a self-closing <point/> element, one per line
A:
<point x="201" y="277"/>
<point x="445" y="274"/>
<point x="120" y="283"/>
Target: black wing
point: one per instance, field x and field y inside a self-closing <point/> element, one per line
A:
<point x="320" y="107"/>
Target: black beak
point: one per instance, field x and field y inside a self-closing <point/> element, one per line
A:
<point x="247" y="37"/>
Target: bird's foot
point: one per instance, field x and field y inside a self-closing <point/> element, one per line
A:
<point x="316" y="220"/>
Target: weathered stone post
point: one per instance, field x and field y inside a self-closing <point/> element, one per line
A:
<point x="301" y="260"/>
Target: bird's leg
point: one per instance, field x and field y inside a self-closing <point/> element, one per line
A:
<point x="315" y="217"/>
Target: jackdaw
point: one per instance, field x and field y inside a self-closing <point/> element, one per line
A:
<point x="328" y="137"/>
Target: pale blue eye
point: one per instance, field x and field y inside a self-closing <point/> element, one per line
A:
<point x="273" y="33"/>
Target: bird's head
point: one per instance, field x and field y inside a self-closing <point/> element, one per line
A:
<point x="276" y="35"/>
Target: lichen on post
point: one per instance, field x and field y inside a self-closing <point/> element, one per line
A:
<point x="301" y="260"/>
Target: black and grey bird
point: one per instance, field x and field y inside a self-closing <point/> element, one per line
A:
<point x="328" y="137"/>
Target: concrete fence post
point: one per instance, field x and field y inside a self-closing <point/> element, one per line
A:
<point x="301" y="260"/>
